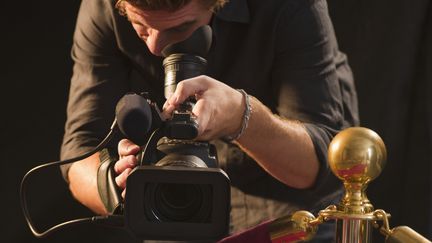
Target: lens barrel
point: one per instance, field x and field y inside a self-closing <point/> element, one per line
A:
<point x="179" y="67"/>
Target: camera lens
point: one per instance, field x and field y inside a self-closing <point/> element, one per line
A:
<point x="172" y="202"/>
<point x="178" y="202"/>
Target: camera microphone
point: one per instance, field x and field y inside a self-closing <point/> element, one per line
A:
<point x="134" y="117"/>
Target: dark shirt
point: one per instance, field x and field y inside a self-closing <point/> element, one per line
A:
<point x="283" y="52"/>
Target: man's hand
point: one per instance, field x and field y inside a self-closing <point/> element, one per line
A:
<point x="285" y="150"/>
<point x="127" y="161"/>
<point x="219" y="108"/>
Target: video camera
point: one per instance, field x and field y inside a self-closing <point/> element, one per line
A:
<point x="177" y="192"/>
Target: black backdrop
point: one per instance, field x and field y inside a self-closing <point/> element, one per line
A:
<point x="389" y="44"/>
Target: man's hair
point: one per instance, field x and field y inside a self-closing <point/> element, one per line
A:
<point x="170" y="5"/>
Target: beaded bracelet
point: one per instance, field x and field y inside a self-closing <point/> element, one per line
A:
<point x="245" y="120"/>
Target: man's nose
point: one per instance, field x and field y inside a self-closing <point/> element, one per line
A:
<point x="155" y="42"/>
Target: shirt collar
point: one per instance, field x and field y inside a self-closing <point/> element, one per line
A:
<point x="234" y="11"/>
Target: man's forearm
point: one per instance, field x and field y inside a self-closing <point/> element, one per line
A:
<point x="282" y="147"/>
<point x="83" y="183"/>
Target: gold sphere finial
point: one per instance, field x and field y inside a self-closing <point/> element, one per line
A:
<point x="357" y="154"/>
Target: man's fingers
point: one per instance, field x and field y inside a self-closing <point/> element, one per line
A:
<point x="202" y="116"/>
<point x="187" y="88"/>
<point x="121" y="179"/>
<point x="123" y="194"/>
<point x="129" y="161"/>
<point x="127" y="147"/>
<point x="167" y="111"/>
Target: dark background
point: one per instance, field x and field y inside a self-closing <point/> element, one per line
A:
<point x="389" y="44"/>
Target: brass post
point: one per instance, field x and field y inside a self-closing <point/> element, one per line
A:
<point x="357" y="156"/>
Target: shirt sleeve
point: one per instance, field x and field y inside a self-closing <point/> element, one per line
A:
<point x="98" y="82"/>
<point x="312" y="79"/>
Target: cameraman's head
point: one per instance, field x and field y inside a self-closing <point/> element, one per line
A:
<point x="162" y="22"/>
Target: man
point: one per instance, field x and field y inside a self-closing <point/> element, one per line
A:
<point x="282" y="53"/>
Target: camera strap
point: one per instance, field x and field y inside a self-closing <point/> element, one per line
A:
<point x="108" y="190"/>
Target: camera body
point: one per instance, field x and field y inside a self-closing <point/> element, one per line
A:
<point x="177" y="192"/>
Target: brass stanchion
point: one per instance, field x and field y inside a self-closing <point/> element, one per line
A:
<point x="357" y="156"/>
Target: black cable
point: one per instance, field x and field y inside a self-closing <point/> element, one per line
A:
<point x="150" y="145"/>
<point x="110" y="220"/>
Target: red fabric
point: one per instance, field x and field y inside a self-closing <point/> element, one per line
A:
<point x="290" y="238"/>
<point x="257" y="234"/>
